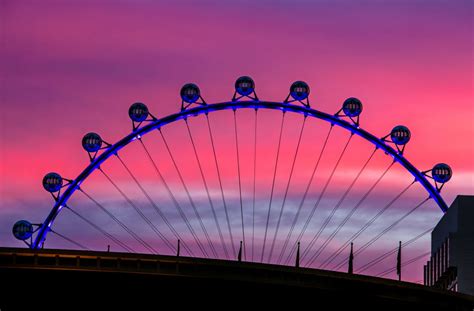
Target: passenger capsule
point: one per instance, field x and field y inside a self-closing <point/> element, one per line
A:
<point x="52" y="182"/>
<point x="91" y="142"/>
<point x="244" y="86"/>
<point x="190" y="93"/>
<point x="299" y="90"/>
<point x="138" y="112"/>
<point x="400" y="135"/>
<point x="352" y="107"/>
<point x="22" y="230"/>
<point x="441" y="172"/>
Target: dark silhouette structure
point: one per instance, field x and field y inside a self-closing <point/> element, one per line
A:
<point x="125" y="278"/>
<point x="451" y="265"/>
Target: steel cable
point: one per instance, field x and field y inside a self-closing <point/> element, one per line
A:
<point x="353" y="210"/>
<point x="334" y="210"/>
<point x="287" y="188"/>
<point x="369" y="223"/>
<point x="175" y="202"/>
<point x="190" y="200"/>
<point x="108" y="235"/>
<point x="295" y="218"/>
<point x="273" y="185"/>
<point x="207" y="190"/>
<point x="221" y="187"/>
<point x="321" y="195"/>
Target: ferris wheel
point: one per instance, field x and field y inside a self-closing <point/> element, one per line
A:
<point x="238" y="200"/>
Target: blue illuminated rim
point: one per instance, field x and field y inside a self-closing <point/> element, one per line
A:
<point x="205" y="109"/>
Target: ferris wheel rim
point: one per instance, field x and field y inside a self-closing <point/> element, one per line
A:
<point x="156" y="124"/>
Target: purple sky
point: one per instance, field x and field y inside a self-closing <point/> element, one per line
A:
<point x="71" y="67"/>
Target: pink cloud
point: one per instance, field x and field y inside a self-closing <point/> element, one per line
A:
<point x="74" y="68"/>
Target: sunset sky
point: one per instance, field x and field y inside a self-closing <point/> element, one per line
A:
<point x="71" y="67"/>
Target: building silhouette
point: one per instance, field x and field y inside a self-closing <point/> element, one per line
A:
<point x="451" y="265"/>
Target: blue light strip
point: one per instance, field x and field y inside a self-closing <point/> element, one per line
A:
<point x="203" y="109"/>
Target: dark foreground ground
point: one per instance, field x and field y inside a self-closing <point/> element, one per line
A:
<point x="64" y="280"/>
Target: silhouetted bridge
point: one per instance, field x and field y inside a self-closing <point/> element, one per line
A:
<point x="142" y="278"/>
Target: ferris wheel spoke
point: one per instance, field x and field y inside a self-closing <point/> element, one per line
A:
<point x="321" y="194"/>
<point x="62" y="236"/>
<point x="221" y="187"/>
<point x="240" y="186"/>
<point x="331" y="215"/>
<point x="191" y="201"/>
<point x="372" y="220"/>
<point x="152" y="203"/>
<point x="254" y="180"/>
<point x="385" y="255"/>
<point x="349" y="215"/>
<point x="403" y="264"/>
<point x="207" y="191"/>
<point x="105" y="233"/>
<point x="139" y="212"/>
<point x="120" y="223"/>
<point x="273" y="185"/>
<point x="308" y="186"/>
<point x="390" y="227"/>
<point x="287" y="188"/>
<point x="175" y="202"/>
